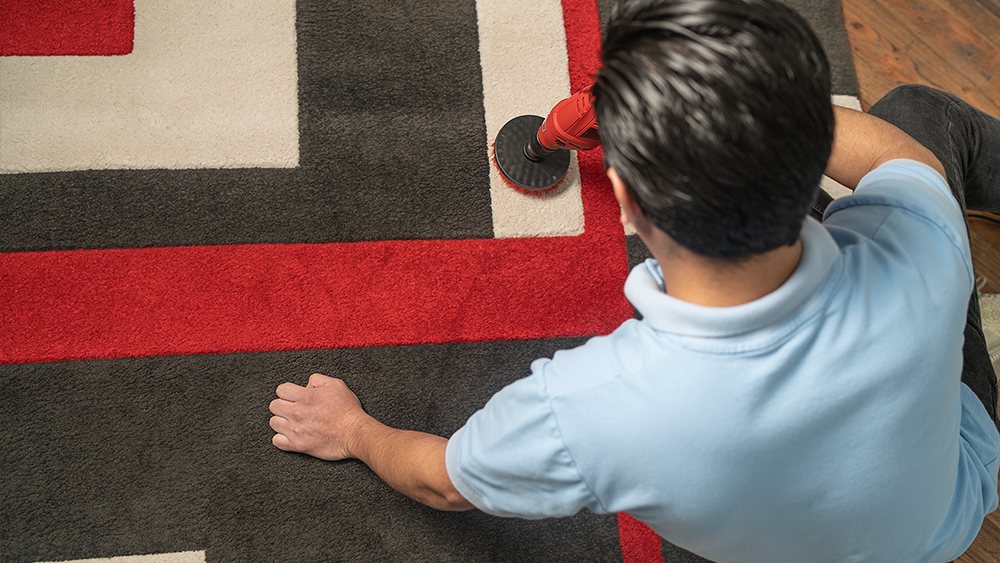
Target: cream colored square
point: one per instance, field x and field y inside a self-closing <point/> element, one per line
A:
<point x="208" y="85"/>
<point x="178" y="557"/>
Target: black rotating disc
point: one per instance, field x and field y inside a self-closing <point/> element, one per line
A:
<point x="514" y="164"/>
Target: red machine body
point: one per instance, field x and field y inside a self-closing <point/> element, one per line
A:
<point x="570" y="125"/>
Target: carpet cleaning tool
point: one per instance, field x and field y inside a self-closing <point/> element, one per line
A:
<point x="532" y="154"/>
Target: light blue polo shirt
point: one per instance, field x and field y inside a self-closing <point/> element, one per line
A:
<point x="825" y="421"/>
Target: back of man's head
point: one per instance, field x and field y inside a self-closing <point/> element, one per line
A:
<point x="716" y="115"/>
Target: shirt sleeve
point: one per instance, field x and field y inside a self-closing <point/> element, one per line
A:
<point x="915" y="188"/>
<point x="510" y="460"/>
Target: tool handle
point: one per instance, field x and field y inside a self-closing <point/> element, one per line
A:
<point x="570" y="125"/>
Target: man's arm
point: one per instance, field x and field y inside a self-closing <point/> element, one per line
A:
<point x="325" y="420"/>
<point x="862" y="143"/>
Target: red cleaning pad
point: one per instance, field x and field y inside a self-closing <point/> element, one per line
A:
<point x="66" y="27"/>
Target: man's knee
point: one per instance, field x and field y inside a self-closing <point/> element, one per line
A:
<point x="911" y="101"/>
<point x="908" y="93"/>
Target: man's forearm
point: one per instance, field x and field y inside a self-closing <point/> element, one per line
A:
<point x="411" y="462"/>
<point x="863" y="142"/>
<point x="325" y="419"/>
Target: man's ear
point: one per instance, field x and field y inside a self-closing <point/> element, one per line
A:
<point x="630" y="209"/>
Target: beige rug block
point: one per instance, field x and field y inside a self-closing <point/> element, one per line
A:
<point x="208" y="85"/>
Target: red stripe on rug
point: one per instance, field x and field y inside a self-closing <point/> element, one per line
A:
<point x="66" y="27"/>
<point x="583" y="42"/>
<point x="198" y="300"/>
<point x="640" y="544"/>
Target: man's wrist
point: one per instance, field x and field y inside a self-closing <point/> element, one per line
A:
<point x="360" y="435"/>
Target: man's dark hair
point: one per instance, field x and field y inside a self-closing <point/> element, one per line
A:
<point x="716" y="115"/>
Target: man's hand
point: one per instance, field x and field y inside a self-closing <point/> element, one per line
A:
<point x="319" y="419"/>
<point x="324" y="419"/>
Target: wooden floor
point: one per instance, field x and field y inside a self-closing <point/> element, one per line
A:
<point x="952" y="45"/>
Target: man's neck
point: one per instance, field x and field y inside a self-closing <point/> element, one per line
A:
<point x="718" y="283"/>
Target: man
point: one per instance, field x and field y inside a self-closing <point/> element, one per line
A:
<point x="795" y="391"/>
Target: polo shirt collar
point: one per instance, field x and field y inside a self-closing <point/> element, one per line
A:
<point x="644" y="288"/>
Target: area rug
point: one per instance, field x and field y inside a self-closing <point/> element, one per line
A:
<point x="203" y="200"/>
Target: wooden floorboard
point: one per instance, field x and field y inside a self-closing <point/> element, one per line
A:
<point x="952" y="45"/>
